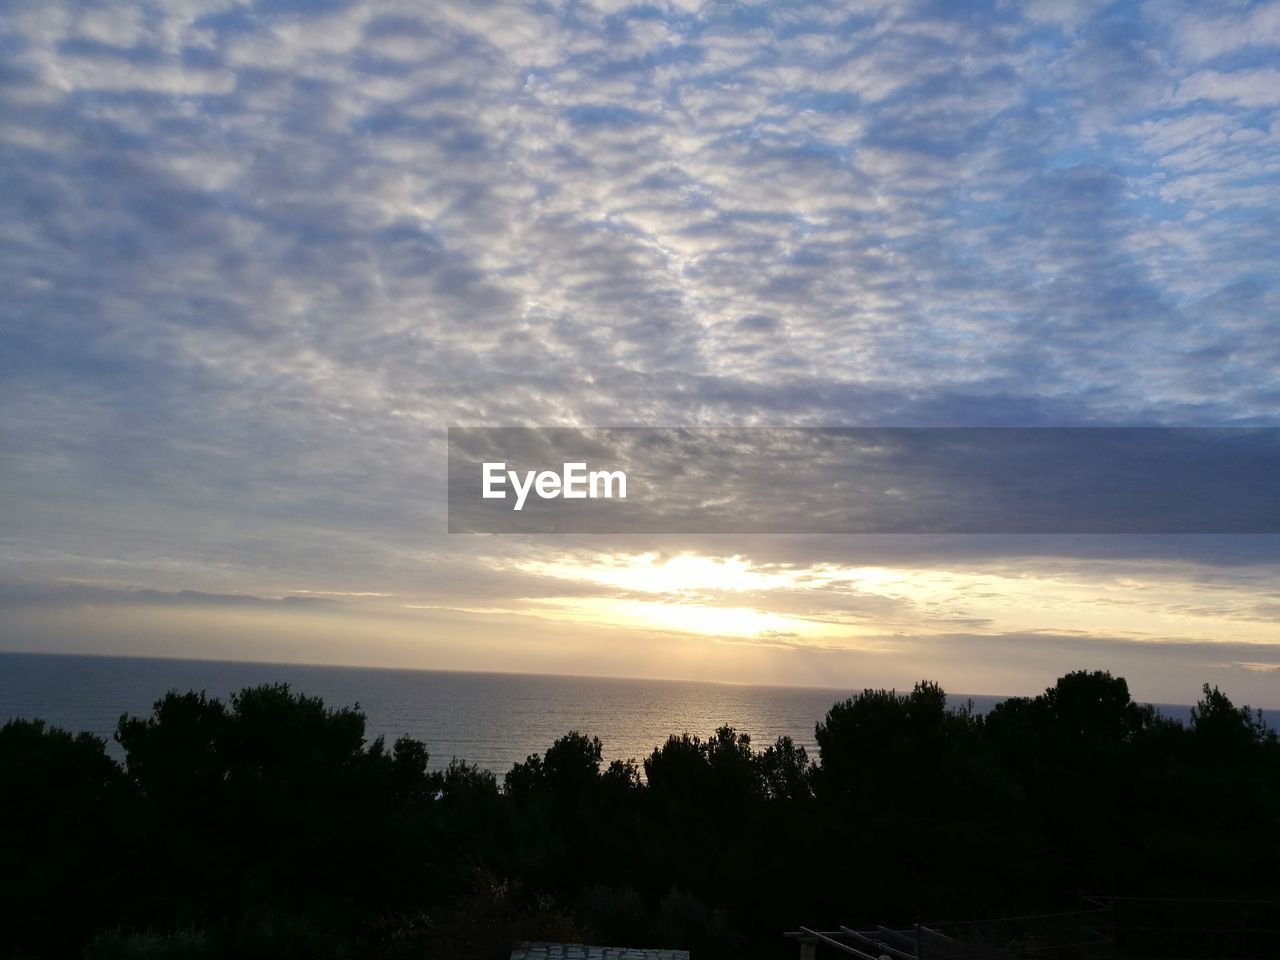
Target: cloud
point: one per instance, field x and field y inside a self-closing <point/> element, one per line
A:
<point x="1248" y="88"/>
<point x="1222" y="32"/>
<point x="257" y="256"/>
<point x="89" y="595"/>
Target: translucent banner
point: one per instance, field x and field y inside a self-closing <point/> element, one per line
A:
<point x="864" y="480"/>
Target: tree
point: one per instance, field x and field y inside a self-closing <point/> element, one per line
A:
<point x="785" y="771"/>
<point x="63" y="826"/>
<point x="1222" y="726"/>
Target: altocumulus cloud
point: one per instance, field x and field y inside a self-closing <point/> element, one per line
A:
<point x="257" y="255"/>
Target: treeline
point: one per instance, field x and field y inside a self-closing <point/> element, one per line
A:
<point x="268" y="827"/>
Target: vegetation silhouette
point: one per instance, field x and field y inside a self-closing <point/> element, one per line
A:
<point x="268" y="826"/>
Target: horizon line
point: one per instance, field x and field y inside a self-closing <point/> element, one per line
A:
<point x="564" y="676"/>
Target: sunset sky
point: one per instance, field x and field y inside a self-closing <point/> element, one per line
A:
<point x="258" y="257"/>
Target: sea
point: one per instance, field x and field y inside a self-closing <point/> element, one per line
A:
<point x="493" y="720"/>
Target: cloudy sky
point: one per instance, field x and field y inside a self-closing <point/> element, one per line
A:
<point x="257" y="257"/>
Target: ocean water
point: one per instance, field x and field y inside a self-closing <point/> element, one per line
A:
<point x="490" y="719"/>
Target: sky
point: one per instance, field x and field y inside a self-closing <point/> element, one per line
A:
<point x="257" y="257"/>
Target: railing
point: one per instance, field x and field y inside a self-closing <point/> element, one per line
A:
<point x="1102" y="928"/>
<point x="1070" y="935"/>
<point x="1179" y="928"/>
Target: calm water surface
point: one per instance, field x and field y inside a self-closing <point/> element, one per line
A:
<point x="491" y="719"/>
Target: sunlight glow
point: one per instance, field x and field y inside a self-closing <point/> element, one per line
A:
<point x="702" y="595"/>
<point x="692" y="618"/>
<point x="682" y="574"/>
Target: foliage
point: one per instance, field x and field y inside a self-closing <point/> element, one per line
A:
<point x="269" y="825"/>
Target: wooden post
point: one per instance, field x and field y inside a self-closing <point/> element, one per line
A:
<point x="808" y="950"/>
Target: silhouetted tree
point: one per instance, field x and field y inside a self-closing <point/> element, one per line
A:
<point x="1220" y="725"/>
<point x="269" y="825"/>
<point x="785" y="771"/>
<point x="65" y="819"/>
